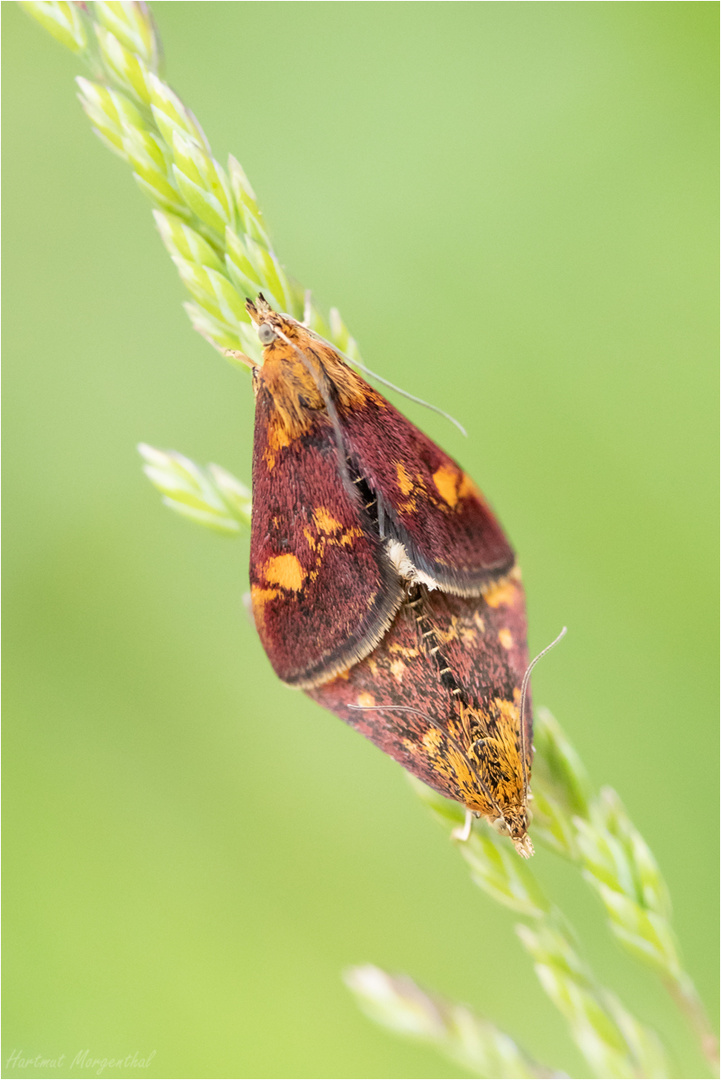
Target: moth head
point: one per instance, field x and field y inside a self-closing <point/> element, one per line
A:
<point x="269" y="324"/>
<point x="514" y="823"/>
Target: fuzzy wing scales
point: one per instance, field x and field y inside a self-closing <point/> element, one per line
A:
<point x="433" y="508"/>
<point x="428" y="743"/>
<point x="322" y="590"/>
<point x="483" y="645"/>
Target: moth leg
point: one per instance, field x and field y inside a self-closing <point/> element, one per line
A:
<point x="463" y="833"/>
<point x="239" y="358"/>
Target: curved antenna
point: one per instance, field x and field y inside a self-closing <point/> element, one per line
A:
<point x="387" y="382"/>
<point x="524" y="698"/>
<point x="403" y="393"/>
<point x="331" y="410"/>
<point x="439" y="727"/>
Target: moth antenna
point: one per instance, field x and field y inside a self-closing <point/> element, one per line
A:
<point x="404" y="393"/>
<point x="332" y="413"/>
<point x="388" y="383"/>
<point x="524" y="698"/>
<point x="446" y="734"/>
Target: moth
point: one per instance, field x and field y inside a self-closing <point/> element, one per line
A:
<point x="382" y="583"/>
<point x="444" y="695"/>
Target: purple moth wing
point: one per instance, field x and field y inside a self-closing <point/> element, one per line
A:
<point x="323" y="591"/>
<point x="478" y="650"/>
<point x="427" y="742"/>
<point x="488" y="650"/>
<point x="427" y="503"/>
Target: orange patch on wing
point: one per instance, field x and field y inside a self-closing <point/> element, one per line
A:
<point x="468" y="487"/>
<point x="432" y="740"/>
<point x="260" y="596"/>
<point x="506" y="638"/>
<point x="278" y="438"/>
<point x="366" y="699"/>
<point x="506" y="721"/>
<point x="344" y="676"/>
<point x="502" y="592"/>
<point x="457" y="731"/>
<point x="405" y="482"/>
<point x="285" y="571"/>
<point x="350" y="535"/>
<point x="446" y="479"/>
<point x="258" y="599"/>
<point x="411" y="487"/>
<point x="325" y="520"/>
<point x="397" y="669"/>
<point x="452" y="633"/>
<point x="402" y="650"/>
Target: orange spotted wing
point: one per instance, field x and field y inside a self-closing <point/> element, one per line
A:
<point x="350" y="501"/>
<point x="427" y="503"/>
<point x="322" y="589"/>
<point x="442" y="695"/>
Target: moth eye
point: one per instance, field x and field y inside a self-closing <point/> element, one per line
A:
<point x="266" y="333"/>
<point x="501" y="826"/>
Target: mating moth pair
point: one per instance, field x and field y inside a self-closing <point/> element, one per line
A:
<point x="381" y="582"/>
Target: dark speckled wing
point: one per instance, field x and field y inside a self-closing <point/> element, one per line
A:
<point x="428" y="741"/>
<point x="483" y="643"/>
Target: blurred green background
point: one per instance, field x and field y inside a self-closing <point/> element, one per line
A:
<point x="514" y="207"/>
